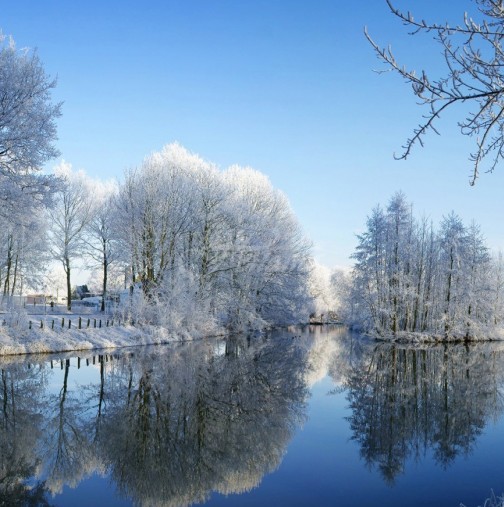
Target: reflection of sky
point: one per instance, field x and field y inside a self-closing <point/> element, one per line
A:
<point x="322" y="468"/>
<point x="94" y="491"/>
<point x="76" y="376"/>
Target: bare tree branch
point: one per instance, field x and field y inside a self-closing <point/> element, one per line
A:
<point x="474" y="60"/>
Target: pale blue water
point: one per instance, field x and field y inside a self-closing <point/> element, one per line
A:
<point x="301" y="417"/>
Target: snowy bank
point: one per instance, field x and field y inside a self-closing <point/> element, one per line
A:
<point x="491" y="334"/>
<point x="21" y="340"/>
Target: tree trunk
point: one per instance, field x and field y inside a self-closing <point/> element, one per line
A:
<point x="68" y="283"/>
<point x="14" y="280"/>
<point x="448" y="293"/>
<point x="105" y="277"/>
<point x="6" y="288"/>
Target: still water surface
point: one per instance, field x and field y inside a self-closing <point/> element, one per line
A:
<point x="313" y="416"/>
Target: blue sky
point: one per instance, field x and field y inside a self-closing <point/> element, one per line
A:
<point x="286" y="87"/>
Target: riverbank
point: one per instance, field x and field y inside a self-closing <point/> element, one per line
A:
<point x="494" y="334"/>
<point x="22" y="340"/>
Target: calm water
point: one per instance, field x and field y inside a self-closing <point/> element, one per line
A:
<point x="306" y="417"/>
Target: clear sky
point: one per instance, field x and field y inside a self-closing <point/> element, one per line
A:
<point x="284" y="86"/>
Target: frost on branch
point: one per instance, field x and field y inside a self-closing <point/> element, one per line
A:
<point x="473" y="62"/>
<point x="27" y="116"/>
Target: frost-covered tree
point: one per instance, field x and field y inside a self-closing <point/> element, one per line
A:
<point x="399" y="247"/>
<point x="473" y="61"/>
<point x="24" y="256"/>
<point x="27" y="135"/>
<point x="68" y="219"/>
<point x="410" y="278"/>
<point x="223" y="246"/>
<point x="496" y="276"/>
<point x="27" y="129"/>
<point x="453" y="254"/>
<point x="27" y="116"/>
<point x="368" y="293"/>
<point x="271" y="254"/>
<point x="100" y="239"/>
<point x="322" y="290"/>
<point x="340" y="290"/>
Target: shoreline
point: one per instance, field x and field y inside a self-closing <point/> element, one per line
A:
<point x="405" y="338"/>
<point x="21" y="341"/>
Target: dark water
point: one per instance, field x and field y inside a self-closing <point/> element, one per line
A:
<point x="305" y="417"/>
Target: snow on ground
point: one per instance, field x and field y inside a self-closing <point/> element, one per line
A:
<point x="22" y="340"/>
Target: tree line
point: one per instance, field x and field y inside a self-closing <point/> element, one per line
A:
<point x="219" y="249"/>
<point x="212" y="247"/>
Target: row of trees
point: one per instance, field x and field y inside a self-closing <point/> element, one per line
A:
<point x="199" y="241"/>
<point x="411" y="277"/>
<point x="222" y="245"/>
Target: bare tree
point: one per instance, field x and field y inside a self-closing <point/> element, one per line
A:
<point x="474" y="58"/>
<point x="100" y="243"/>
<point x="69" y="217"/>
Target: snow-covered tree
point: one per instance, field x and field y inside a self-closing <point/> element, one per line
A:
<point x="68" y="219"/>
<point x="410" y="278"/>
<point x="322" y="290"/>
<point x="225" y="243"/>
<point x="368" y="293"/>
<point x="496" y="276"/>
<point x="27" y="135"/>
<point x="453" y="253"/>
<point x="27" y="116"/>
<point x="27" y="129"/>
<point x="100" y="242"/>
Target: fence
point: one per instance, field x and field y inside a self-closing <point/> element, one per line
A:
<point x="81" y="323"/>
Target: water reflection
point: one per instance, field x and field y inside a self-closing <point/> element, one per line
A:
<point x="409" y="402"/>
<point x="170" y="425"/>
<point x="20" y="431"/>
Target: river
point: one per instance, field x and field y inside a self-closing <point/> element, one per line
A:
<point x="306" y="416"/>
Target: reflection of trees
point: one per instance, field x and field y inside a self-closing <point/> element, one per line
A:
<point x="170" y="424"/>
<point x="20" y="398"/>
<point x="406" y="401"/>
<point x="203" y="420"/>
<point x="67" y="454"/>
